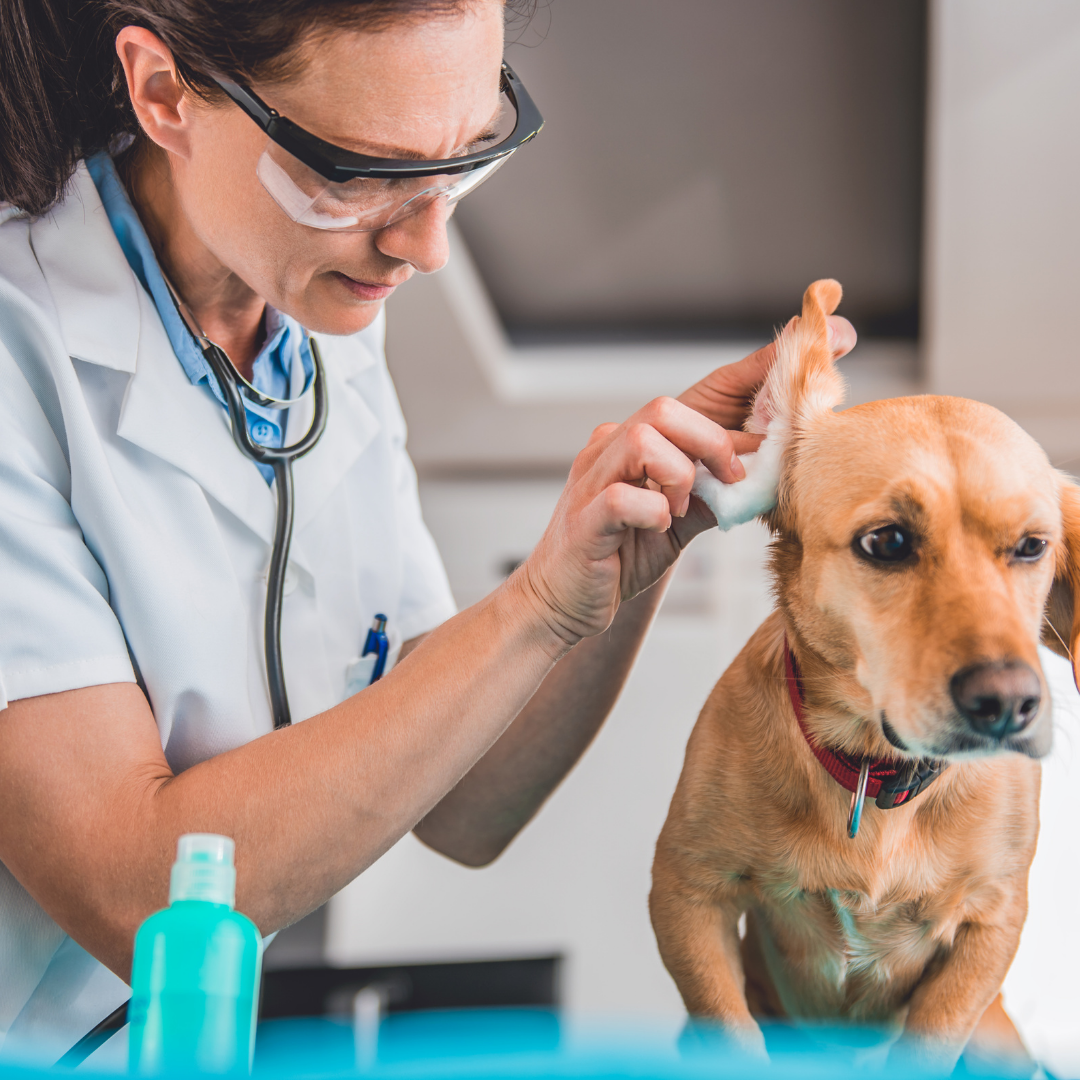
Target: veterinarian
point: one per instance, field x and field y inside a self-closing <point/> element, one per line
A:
<point x="165" y="239"/>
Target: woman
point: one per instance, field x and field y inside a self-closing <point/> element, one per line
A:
<point x="147" y="206"/>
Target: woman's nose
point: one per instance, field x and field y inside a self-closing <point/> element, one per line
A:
<point x="420" y="239"/>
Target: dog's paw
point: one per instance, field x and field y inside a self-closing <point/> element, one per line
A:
<point x="733" y="504"/>
<point x="710" y="1035"/>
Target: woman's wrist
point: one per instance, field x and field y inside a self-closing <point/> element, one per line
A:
<point x="525" y="606"/>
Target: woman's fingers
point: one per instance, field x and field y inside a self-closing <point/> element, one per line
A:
<point x="601" y="431"/>
<point x="620" y="507"/>
<point x="742" y="442"/>
<point x="745" y="443"/>
<point x="660" y="444"/>
<point x="696" y="436"/>
<point x="639" y="452"/>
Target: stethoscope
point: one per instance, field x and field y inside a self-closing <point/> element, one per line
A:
<point x="235" y="388"/>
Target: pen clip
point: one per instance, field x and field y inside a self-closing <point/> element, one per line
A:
<point x="378" y="643"/>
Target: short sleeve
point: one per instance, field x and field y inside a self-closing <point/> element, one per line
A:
<point x="57" y="630"/>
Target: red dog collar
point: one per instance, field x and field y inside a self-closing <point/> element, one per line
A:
<point x="889" y="781"/>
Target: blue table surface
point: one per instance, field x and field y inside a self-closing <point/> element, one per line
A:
<point x="536" y="1043"/>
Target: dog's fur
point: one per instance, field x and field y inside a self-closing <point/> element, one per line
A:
<point x="913" y="924"/>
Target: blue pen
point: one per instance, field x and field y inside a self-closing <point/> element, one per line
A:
<point x="377" y="643"/>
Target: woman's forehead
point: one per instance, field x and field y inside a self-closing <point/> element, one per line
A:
<point x="416" y="89"/>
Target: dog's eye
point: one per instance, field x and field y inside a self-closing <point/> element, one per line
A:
<point x="1029" y="549"/>
<point x="889" y="544"/>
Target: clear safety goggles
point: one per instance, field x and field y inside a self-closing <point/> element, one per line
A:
<point x="328" y="187"/>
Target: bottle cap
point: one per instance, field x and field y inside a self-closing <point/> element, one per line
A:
<point x="204" y="869"/>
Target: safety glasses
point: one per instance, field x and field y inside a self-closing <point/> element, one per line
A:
<point x="327" y="187"/>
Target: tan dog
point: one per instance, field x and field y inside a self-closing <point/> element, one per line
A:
<point x="916" y="543"/>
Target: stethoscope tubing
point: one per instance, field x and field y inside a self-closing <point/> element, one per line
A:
<point x="280" y="459"/>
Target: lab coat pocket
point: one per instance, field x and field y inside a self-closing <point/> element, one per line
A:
<point x="358" y="673"/>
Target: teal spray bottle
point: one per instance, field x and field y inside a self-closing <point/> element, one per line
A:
<point x="195" y="977"/>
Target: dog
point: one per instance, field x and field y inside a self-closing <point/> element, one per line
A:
<point x="862" y="784"/>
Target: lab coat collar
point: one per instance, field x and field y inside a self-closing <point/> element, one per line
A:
<point x="95" y="293"/>
<point x="107" y="318"/>
<point x="182" y="423"/>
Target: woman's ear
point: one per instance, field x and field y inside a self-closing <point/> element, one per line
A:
<point x="1061" y="621"/>
<point x="154" y="86"/>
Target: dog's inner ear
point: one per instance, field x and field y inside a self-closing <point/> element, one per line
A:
<point x="803" y="381"/>
<point x="1061" y="622"/>
<point x="802" y="386"/>
<point x="1057" y="624"/>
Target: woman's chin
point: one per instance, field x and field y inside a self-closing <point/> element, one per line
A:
<point x="337" y="314"/>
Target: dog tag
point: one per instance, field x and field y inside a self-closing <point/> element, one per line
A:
<point x="854" y="817"/>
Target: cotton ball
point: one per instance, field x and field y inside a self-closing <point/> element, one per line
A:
<point x="733" y="504"/>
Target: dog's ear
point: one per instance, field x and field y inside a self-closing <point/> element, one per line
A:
<point x="802" y="386"/>
<point x="803" y="382"/>
<point x="1061" y="624"/>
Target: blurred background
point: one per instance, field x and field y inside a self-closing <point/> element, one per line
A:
<point x="703" y="161"/>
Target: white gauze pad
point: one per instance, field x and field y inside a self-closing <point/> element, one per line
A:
<point x="733" y="504"/>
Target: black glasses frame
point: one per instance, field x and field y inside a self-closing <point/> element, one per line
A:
<point x="338" y="165"/>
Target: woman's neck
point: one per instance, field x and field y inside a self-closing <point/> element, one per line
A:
<point x="228" y="311"/>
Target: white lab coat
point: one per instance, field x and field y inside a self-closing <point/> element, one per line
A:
<point x="134" y="540"/>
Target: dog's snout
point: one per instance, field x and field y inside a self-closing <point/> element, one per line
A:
<point x="997" y="699"/>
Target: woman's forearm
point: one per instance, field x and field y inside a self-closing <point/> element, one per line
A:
<point x="91" y="811"/>
<point x="496" y="799"/>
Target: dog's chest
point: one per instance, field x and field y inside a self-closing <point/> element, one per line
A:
<point x="855" y="946"/>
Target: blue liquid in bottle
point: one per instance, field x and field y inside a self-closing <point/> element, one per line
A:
<point x="195" y="976"/>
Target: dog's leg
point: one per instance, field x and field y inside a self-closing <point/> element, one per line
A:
<point x="948" y="1004"/>
<point x="698" y="937"/>
<point x="996" y="1040"/>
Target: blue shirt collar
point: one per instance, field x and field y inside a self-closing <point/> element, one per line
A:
<point x="286" y="342"/>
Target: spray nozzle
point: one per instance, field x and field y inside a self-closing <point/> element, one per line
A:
<point x="204" y="869"/>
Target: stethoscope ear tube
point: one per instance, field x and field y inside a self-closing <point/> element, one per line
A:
<point x="280" y="459"/>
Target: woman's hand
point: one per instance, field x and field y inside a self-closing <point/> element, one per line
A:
<point x="612" y="533"/>
<point x="626" y="512"/>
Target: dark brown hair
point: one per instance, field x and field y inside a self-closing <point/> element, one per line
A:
<point x="62" y="90"/>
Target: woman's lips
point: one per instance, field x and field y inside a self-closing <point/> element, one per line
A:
<point x="365" y="290"/>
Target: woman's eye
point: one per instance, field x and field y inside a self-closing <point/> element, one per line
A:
<point x="1029" y="549"/>
<point x="890" y="544"/>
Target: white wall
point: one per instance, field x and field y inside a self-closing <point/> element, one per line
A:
<point x="1002" y="280"/>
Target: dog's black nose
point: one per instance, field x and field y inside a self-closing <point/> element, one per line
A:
<point x="997" y="699"/>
